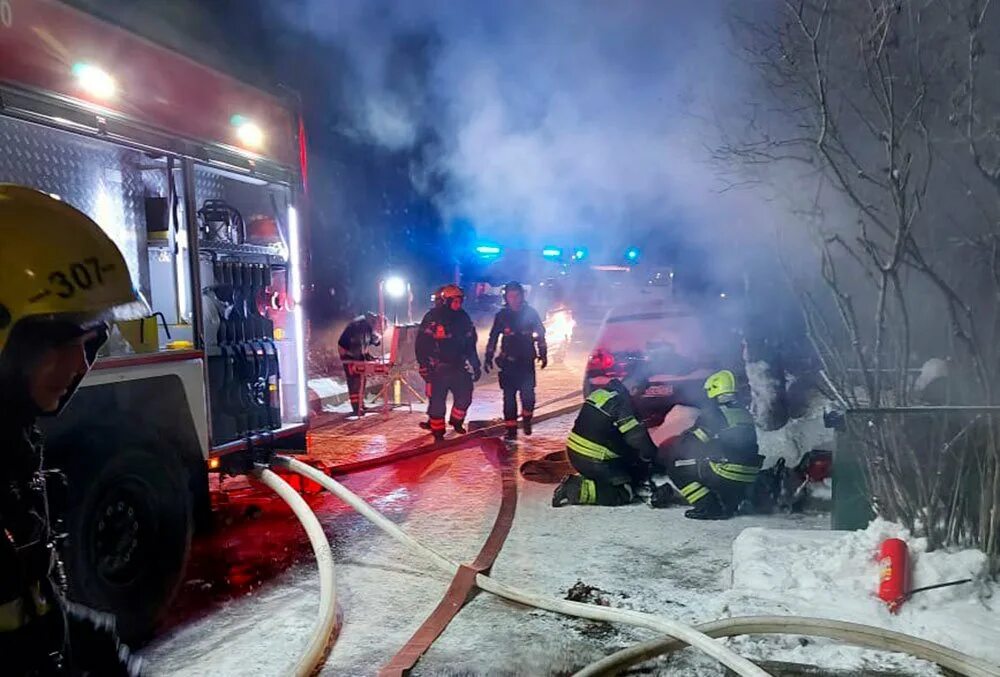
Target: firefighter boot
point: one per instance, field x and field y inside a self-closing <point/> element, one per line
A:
<point x="425" y="425"/>
<point x="511" y="434"/>
<point x="663" y="496"/>
<point x="568" y="491"/>
<point x="708" y="508"/>
<point x="437" y="428"/>
<point x="526" y="420"/>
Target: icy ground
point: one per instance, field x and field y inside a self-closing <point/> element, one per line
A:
<point x="639" y="558"/>
<point x="642" y="558"/>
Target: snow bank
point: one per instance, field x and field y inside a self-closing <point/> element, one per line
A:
<point x="326" y="393"/>
<point x="835" y="575"/>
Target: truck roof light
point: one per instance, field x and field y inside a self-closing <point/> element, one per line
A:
<point x="249" y="134"/>
<point x="95" y="81"/>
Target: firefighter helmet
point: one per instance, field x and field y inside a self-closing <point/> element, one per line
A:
<point x="451" y="291"/>
<point x="451" y="295"/>
<point x="57" y="264"/>
<point x="720" y="383"/>
<point x="513" y="285"/>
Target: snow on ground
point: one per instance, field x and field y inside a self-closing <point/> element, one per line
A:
<point x="651" y="560"/>
<point x="644" y="559"/>
<point x="835" y="575"/>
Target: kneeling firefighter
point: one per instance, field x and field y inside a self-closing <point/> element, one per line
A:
<point x="61" y="279"/>
<point x="358" y="337"/>
<point x="715" y="462"/>
<point x="522" y="344"/>
<point x="608" y="446"/>
<point x="446" y="350"/>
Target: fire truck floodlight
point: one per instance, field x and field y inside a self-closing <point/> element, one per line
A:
<point x="395" y="287"/>
<point x="95" y="81"/>
<point x="248" y="133"/>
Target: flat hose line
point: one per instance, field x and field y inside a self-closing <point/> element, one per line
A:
<point x="717" y="650"/>
<point x="462" y="587"/>
<point x="315" y="650"/>
<point x="853" y="633"/>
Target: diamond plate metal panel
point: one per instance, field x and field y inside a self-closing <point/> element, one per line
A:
<point x="208" y="185"/>
<point x="97" y="177"/>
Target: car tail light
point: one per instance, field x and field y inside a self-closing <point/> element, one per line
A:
<point x="600" y="360"/>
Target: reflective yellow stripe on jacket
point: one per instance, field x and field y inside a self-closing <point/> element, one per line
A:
<point x="600" y="397"/>
<point x="626" y="424"/>
<point x="581" y="445"/>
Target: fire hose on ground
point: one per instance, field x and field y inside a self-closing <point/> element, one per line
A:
<point x="851" y="633"/>
<point x="682" y="632"/>
<point x="311" y="657"/>
<point x="678" y="636"/>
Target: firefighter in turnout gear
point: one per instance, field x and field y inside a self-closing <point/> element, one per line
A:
<point x="446" y="351"/>
<point x="356" y="339"/>
<point x="608" y="446"/>
<point x="522" y="343"/>
<point x="715" y="462"/>
<point x="52" y="322"/>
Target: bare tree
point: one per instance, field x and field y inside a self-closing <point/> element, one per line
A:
<point x="864" y="110"/>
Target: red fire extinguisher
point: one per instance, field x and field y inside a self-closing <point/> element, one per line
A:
<point x="894" y="579"/>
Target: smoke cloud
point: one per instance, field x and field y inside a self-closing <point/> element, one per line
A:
<point x="576" y="123"/>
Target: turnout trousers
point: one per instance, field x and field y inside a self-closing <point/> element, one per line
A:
<point x="600" y="482"/>
<point x="444" y="379"/>
<point x="517" y="379"/>
<point x="697" y="473"/>
<point x="355" y="381"/>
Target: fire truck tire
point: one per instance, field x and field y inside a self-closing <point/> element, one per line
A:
<point x="130" y="526"/>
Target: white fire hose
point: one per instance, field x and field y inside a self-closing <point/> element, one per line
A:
<point x="852" y="633"/>
<point x="717" y="650"/>
<point x="310" y="658"/>
<point x="678" y="634"/>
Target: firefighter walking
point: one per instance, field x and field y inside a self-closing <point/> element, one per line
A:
<point x="715" y="462"/>
<point x="358" y="337"/>
<point x="521" y="333"/>
<point x="608" y="446"/>
<point x="446" y="352"/>
<point x="49" y="337"/>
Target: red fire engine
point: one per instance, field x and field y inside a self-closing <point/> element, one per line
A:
<point x="198" y="178"/>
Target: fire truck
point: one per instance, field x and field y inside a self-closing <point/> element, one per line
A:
<point x="199" y="179"/>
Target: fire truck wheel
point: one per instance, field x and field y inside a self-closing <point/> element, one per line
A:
<point x="130" y="534"/>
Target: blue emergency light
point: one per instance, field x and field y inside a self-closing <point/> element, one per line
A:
<point x="488" y="250"/>
<point x="632" y="254"/>
<point x="579" y="254"/>
<point x="552" y="253"/>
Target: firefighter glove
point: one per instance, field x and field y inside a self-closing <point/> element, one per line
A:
<point x="544" y="361"/>
<point x="425" y="373"/>
<point x="488" y="363"/>
<point x="477" y="373"/>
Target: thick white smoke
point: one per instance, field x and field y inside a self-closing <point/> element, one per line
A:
<point x="559" y="121"/>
